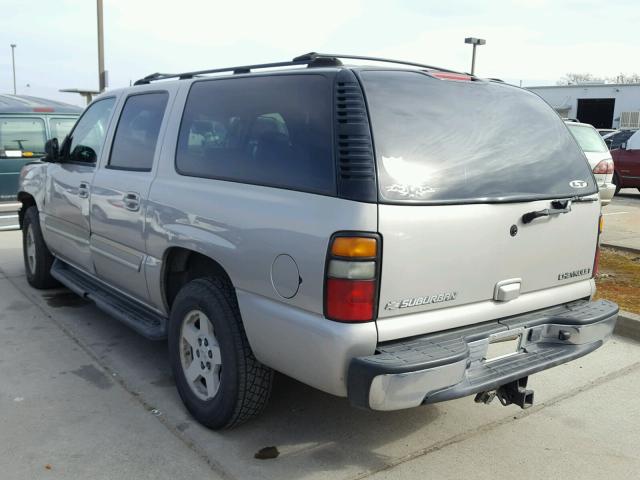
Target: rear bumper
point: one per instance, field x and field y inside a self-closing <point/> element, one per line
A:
<point x="448" y="365"/>
<point x="9" y="215"/>
<point x="607" y="191"/>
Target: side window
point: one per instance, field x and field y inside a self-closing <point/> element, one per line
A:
<point x="88" y="135"/>
<point x="61" y="126"/>
<point x="134" y="144"/>
<point x="22" y="134"/>
<point x="272" y="130"/>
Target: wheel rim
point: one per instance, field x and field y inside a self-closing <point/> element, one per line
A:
<point x="200" y="355"/>
<point x="31" y="250"/>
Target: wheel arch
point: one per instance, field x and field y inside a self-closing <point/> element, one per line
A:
<point x="181" y="265"/>
<point x="27" y="200"/>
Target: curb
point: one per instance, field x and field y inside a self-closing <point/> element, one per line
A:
<point x="619" y="247"/>
<point x="628" y="325"/>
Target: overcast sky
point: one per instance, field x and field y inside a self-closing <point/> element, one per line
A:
<point x="536" y="41"/>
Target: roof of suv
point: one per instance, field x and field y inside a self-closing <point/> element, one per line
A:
<point x="325" y="61"/>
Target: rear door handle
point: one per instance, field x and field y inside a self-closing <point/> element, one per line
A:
<point x="132" y="201"/>
<point x="83" y="190"/>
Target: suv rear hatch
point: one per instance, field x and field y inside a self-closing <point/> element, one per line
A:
<point x="459" y="165"/>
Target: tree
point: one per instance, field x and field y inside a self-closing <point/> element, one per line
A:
<point x="625" y="78"/>
<point x="577" y="78"/>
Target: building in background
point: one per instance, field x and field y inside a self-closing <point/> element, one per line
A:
<point x="601" y="105"/>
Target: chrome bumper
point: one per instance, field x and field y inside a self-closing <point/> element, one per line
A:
<point x="452" y="364"/>
<point x="9" y="219"/>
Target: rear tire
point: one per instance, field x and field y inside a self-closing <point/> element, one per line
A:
<point x="219" y="380"/>
<point x="37" y="257"/>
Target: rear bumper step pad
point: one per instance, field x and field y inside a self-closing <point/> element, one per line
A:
<point x="451" y="364"/>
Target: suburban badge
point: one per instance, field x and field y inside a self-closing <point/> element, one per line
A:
<point x="417" y="301"/>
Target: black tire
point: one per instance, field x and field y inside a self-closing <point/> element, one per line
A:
<point x="616" y="182"/>
<point x="39" y="272"/>
<point x="245" y="384"/>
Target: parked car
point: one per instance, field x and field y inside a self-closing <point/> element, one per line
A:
<point x="25" y="125"/>
<point x="627" y="163"/>
<point x="271" y="219"/>
<point x="606" y="131"/>
<point x="598" y="157"/>
<point x="614" y="140"/>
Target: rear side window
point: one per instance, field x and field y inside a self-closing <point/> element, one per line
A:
<point x="134" y="143"/>
<point x="588" y="138"/>
<point x="441" y="141"/>
<point x="273" y="131"/>
<point x="22" y="134"/>
<point x="60" y="127"/>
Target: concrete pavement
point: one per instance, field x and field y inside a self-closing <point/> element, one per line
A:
<point x="95" y="420"/>
<point x="622" y="220"/>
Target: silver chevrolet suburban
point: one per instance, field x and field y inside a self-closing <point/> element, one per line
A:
<point x="394" y="233"/>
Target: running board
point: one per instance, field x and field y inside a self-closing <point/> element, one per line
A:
<point x="133" y="314"/>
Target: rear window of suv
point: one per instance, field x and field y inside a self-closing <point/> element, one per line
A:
<point x="441" y="141"/>
<point x="271" y="130"/>
<point x="588" y="138"/>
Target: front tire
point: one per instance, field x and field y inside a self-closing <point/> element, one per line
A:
<point x="37" y="257"/>
<point x="218" y="378"/>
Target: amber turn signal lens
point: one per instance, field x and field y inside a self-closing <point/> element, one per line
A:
<point x="354" y="247"/>
<point x="601" y="224"/>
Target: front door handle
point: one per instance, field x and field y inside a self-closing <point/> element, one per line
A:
<point x="83" y="190"/>
<point x="132" y="201"/>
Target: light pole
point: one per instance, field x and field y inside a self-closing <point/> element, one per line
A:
<point x="102" y="75"/>
<point x="475" y="42"/>
<point x="13" y="62"/>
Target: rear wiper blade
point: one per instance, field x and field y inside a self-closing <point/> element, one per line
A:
<point x="558" y="207"/>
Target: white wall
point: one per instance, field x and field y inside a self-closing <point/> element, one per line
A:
<point x="627" y="97"/>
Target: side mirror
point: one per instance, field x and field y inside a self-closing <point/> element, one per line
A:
<point x="623" y="146"/>
<point x="52" y="150"/>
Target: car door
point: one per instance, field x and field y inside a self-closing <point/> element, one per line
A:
<point x="627" y="162"/>
<point x="119" y="193"/>
<point x="66" y="208"/>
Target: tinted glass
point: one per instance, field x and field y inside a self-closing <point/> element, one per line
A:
<point x="88" y="135"/>
<point x="22" y="134"/>
<point x="60" y="127"/>
<point x="134" y="144"/>
<point x="588" y="138"/>
<point x="459" y="141"/>
<point x="265" y="130"/>
<point x="619" y="138"/>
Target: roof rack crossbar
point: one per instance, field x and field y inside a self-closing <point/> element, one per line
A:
<point x="307" y="59"/>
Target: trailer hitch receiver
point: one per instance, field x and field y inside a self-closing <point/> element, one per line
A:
<point x="511" y="393"/>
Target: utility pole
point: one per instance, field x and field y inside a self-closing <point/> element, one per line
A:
<point x="13" y="62"/>
<point x="102" y="75"/>
<point x="475" y="42"/>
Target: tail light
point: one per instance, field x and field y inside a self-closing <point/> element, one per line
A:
<point x="596" y="260"/>
<point x="604" y="167"/>
<point x="351" y="284"/>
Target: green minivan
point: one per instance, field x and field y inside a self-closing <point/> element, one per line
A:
<point x="26" y="123"/>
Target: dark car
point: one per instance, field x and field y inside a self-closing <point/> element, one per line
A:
<point x="614" y="140"/>
<point x="26" y="123"/>
<point x="626" y="159"/>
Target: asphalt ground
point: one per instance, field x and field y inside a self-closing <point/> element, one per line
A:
<point x="82" y="396"/>
<point x="622" y="220"/>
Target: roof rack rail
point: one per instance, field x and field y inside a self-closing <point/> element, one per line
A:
<point x="311" y="59"/>
<point x="316" y="56"/>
